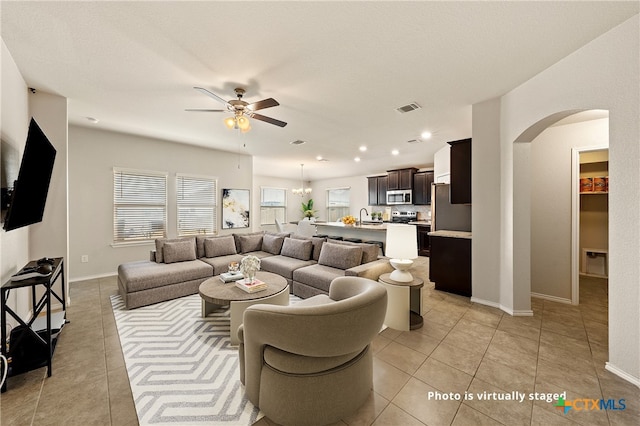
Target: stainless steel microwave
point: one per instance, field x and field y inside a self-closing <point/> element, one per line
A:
<point x="402" y="196"/>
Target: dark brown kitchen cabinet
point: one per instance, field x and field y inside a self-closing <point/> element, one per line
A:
<point x="424" y="245"/>
<point x="460" y="190"/>
<point x="450" y="264"/>
<point x="401" y="179"/>
<point x="422" y="188"/>
<point x="377" y="190"/>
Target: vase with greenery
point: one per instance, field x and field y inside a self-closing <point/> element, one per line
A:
<point x="307" y="209"/>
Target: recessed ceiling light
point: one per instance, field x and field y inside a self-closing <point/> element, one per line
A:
<point x="426" y="135"/>
<point x="92" y="120"/>
<point x="298" y="142"/>
<point x="357" y="159"/>
<point x="363" y="148"/>
<point x="395" y="152"/>
<point x="319" y="158"/>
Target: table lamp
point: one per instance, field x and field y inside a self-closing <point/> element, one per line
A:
<point x="402" y="248"/>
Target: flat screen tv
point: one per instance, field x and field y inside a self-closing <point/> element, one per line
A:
<point x="29" y="195"/>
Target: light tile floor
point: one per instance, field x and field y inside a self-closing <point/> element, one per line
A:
<point x="463" y="348"/>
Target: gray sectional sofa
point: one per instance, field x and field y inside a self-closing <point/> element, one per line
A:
<point x="178" y="266"/>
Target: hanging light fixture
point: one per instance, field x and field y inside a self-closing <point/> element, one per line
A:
<point x="302" y="190"/>
<point x="239" y="121"/>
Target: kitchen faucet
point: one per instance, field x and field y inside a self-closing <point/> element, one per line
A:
<point x="360" y="215"/>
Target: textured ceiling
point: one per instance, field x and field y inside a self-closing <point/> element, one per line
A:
<point x="338" y="69"/>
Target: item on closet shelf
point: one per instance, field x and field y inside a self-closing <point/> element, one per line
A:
<point x="600" y="184"/>
<point x="586" y="184"/>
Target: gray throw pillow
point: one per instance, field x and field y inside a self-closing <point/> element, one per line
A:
<point x="250" y="242"/>
<point x="340" y="256"/>
<point x="298" y="249"/>
<point x="272" y="243"/>
<point x="317" y="244"/>
<point x="160" y="242"/>
<point x="369" y="251"/>
<point x="219" y="246"/>
<point x="179" y="251"/>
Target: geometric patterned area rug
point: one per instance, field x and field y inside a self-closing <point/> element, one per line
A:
<point x="182" y="368"/>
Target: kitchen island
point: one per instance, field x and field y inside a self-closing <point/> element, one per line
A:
<point x="364" y="232"/>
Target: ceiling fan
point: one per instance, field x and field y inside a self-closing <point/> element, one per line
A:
<point x="241" y="110"/>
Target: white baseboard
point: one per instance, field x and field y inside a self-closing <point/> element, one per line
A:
<point x="551" y="298"/>
<point x="623" y="375"/>
<point x="92" y="277"/>
<point x="513" y="313"/>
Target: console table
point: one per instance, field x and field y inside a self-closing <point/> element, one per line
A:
<point x="404" y="303"/>
<point x="41" y="330"/>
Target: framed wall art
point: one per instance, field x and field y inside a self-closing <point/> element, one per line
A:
<point x="235" y="208"/>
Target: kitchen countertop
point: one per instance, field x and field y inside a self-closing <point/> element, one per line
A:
<point x="451" y="234"/>
<point x="381" y="227"/>
<point x="420" y="222"/>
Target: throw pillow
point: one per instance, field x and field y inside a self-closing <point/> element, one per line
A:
<point x="237" y="238"/>
<point x="298" y="249"/>
<point x="317" y="244"/>
<point x="160" y="242"/>
<point x="340" y="256"/>
<point x="179" y="251"/>
<point x="369" y="251"/>
<point x="250" y="242"/>
<point x="219" y="246"/>
<point x="272" y="243"/>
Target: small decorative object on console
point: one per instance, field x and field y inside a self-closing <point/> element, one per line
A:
<point x="249" y="265"/>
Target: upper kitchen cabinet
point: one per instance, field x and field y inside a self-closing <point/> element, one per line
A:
<point x="401" y="179"/>
<point x="422" y="188"/>
<point x="377" y="190"/>
<point x="460" y="172"/>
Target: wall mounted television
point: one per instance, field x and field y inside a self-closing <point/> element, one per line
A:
<point x="29" y="194"/>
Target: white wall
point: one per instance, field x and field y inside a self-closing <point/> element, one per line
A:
<point x="49" y="238"/>
<point x="442" y="165"/>
<point x="551" y="214"/>
<point x="603" y="74"/>
<point x="14" y="116"/>
<point x="92" y="156"/>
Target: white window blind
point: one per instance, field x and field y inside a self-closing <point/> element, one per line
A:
<point x="337" y="203"/>
<point x="273" y="205"/>
<point x="139" y="205"/>
<point x="196" y="200"/>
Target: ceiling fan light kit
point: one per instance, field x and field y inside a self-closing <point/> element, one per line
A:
<point x="242" y="110"/>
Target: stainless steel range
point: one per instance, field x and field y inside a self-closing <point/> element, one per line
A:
<point x="403" y="217"/>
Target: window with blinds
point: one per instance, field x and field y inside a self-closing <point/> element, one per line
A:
<point x="139" y="205"/>
<point x="196" y="200"/>
<point x="273" y="205"/>
<point x="337" y="203"/>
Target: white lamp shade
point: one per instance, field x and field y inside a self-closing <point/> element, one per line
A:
<point x="402" y="241"/>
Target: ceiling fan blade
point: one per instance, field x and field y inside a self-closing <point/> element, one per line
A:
<point x="211" y="95"/>
<point x="268" y="120"/>
<point x="205" y="110"/>
<point x="265" y="103"/>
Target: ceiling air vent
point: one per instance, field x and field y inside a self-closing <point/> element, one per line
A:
<point x="414" y="141"/>
<point x="298" y="142"/>
<point x="408" y="108"/>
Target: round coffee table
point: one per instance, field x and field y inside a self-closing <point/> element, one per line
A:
<point x="404" y="303"/>
<point x="215" y="293"/>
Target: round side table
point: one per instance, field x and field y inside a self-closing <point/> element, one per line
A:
<point x="404" y="303"/>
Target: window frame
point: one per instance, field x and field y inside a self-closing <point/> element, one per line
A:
<point x="118" y="236"/>
<point x="213" y="206"/>
<point x="330" y="209"/>
<point x="264" y="208"/>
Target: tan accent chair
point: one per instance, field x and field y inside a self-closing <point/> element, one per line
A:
<point x="310" y="363"/>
